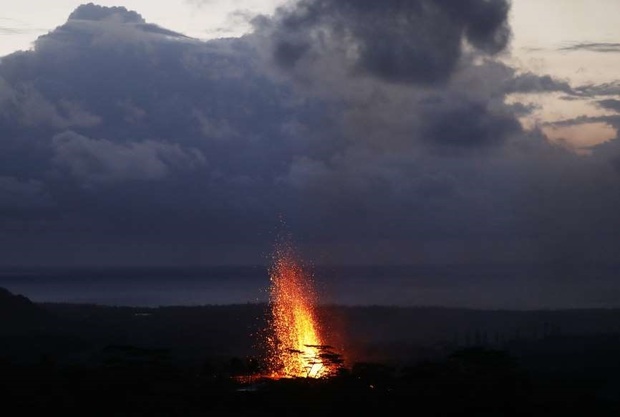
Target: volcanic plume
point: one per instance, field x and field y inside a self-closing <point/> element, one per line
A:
<point x="295" y="342"/>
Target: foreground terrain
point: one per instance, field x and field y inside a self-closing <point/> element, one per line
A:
<point x="186" y="361"/>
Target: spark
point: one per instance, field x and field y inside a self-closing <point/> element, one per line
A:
<point x="295" y="345"/>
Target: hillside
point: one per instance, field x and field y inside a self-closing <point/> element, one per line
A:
<point x="72" y="357"/>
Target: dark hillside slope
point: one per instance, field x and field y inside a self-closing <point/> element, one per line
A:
<point x="18" y="314"/>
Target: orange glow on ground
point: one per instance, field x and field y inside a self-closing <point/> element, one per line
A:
<point x="295" y="346"/>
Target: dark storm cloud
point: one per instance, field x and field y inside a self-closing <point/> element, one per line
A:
<point x="101" y="160"/>
<point x="128" y="134"/>
<point x="375" y="57"/>
<point x="120" y="143"/>
<point x="417" y="41"/>
<point x="31" y="108"/>
<point x="469" y="124"/>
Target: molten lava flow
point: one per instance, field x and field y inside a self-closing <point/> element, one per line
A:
<point x="295" y="345"/>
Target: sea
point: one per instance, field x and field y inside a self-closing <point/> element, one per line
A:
<point x="504" y="287"/>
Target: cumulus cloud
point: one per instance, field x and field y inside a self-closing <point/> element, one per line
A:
<point x="100" y="160"/>
<point x="469" y="124"/>
<point x="356" y="121"/>
<point x="406" y="74"/>
<point x="126" y="20"/>
<point x="397" y="41"/>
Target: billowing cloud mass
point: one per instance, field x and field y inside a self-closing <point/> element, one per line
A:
<point x="399" y="41"/>
<point x="92" y="160"/>
<point x="376" y="131"/>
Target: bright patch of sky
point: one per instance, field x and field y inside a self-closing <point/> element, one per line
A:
<point x="23" y="21"/>
<point x="572" y="40"/>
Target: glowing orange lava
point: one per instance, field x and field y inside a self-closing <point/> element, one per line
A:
<point x="295" y="346"/>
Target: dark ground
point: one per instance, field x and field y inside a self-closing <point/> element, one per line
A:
<point x="65" y="359"/>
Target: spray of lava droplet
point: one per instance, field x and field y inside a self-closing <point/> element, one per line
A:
<point x="295" y="346"/>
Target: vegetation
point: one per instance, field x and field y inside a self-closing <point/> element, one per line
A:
<point x="139" y="382"/>
<point x="77" y="360"/>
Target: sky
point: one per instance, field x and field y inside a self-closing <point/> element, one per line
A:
<point x="395" y="132"/>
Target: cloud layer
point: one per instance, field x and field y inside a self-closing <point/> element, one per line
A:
<point x="398" y="41"/>
<point x="377" y="132"/>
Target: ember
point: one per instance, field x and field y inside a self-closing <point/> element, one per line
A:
<point x="295" y="344"/>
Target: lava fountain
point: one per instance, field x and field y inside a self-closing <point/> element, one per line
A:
<point x="294" y="340"/>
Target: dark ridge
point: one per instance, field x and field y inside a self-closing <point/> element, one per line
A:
<point x="18" y="311"/>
